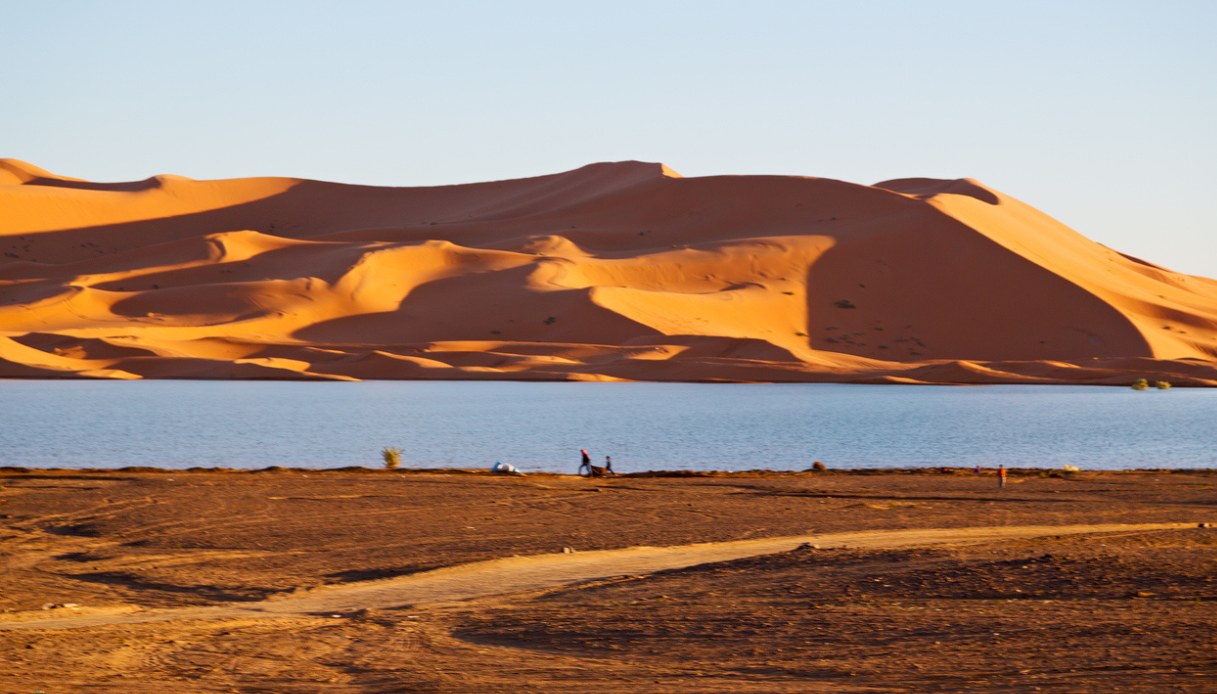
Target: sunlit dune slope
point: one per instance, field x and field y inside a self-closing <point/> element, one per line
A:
<point x="612" y="271"/>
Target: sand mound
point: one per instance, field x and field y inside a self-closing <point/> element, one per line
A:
<point x="611" y="271"/>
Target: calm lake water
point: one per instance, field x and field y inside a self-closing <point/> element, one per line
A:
<point x="644" y="426"/>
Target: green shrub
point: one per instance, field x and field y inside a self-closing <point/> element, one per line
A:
<point x="392" y="457"/>
<point x="1140" y="384"/>
<point x="1162" y="385"/>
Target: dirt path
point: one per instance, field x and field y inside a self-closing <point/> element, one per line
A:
<point x="519" y="574"/>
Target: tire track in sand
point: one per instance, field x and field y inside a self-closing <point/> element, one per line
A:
<point x="498" y="577"/>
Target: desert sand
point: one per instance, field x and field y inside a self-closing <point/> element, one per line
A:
<point x="614" y="271"/>
<point x="299" y="580"/>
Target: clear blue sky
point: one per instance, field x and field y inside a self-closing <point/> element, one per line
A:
<point x="1103" y="114"/>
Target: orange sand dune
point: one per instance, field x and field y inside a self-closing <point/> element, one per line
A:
<point x="612" y="271"/>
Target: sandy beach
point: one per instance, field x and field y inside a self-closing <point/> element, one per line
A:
<point x="369" y="580"/>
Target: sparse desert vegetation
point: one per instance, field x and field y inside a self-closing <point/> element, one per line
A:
<point x="391" y="457"/>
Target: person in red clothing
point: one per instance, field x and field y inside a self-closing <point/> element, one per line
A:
<point x="1001" y="476"/>
<point x="587" y="462"/>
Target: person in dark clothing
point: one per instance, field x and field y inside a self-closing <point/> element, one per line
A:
<point x="587" y="462"/>
<point x="608" y="465"/>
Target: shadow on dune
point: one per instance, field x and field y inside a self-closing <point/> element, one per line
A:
<point x="124" y="187"/>
<point x="938" y="289"/>
<point x="483" y="306"/>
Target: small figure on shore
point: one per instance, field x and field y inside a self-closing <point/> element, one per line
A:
<point x="603" y="471"/>
<point x="587" y="462"/>
<point x="1001" y="476"/>
<point x="976" y="471"/>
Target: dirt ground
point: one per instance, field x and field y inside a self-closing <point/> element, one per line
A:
<point x="1122" y="611"/>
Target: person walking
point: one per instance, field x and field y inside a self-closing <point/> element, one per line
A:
<point x="1001" y="476"/>
<point x="587" y="462"/>
<point x="608" y="465"/>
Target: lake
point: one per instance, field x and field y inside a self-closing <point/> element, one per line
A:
<point x="644" y="426"/>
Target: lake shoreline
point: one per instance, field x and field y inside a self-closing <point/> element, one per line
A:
<point x="17" y="470"/>
<point x="644" y="426"/>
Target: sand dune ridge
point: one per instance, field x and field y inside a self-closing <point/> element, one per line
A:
<point x="619" y="270"/>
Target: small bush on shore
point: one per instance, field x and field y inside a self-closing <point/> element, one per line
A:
<point x="1140" y="384"/>
<point x="392" y="457"/>
<point x="1162" y="385"/>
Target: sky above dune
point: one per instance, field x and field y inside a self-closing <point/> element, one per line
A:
<point x="1099" y="113"/>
